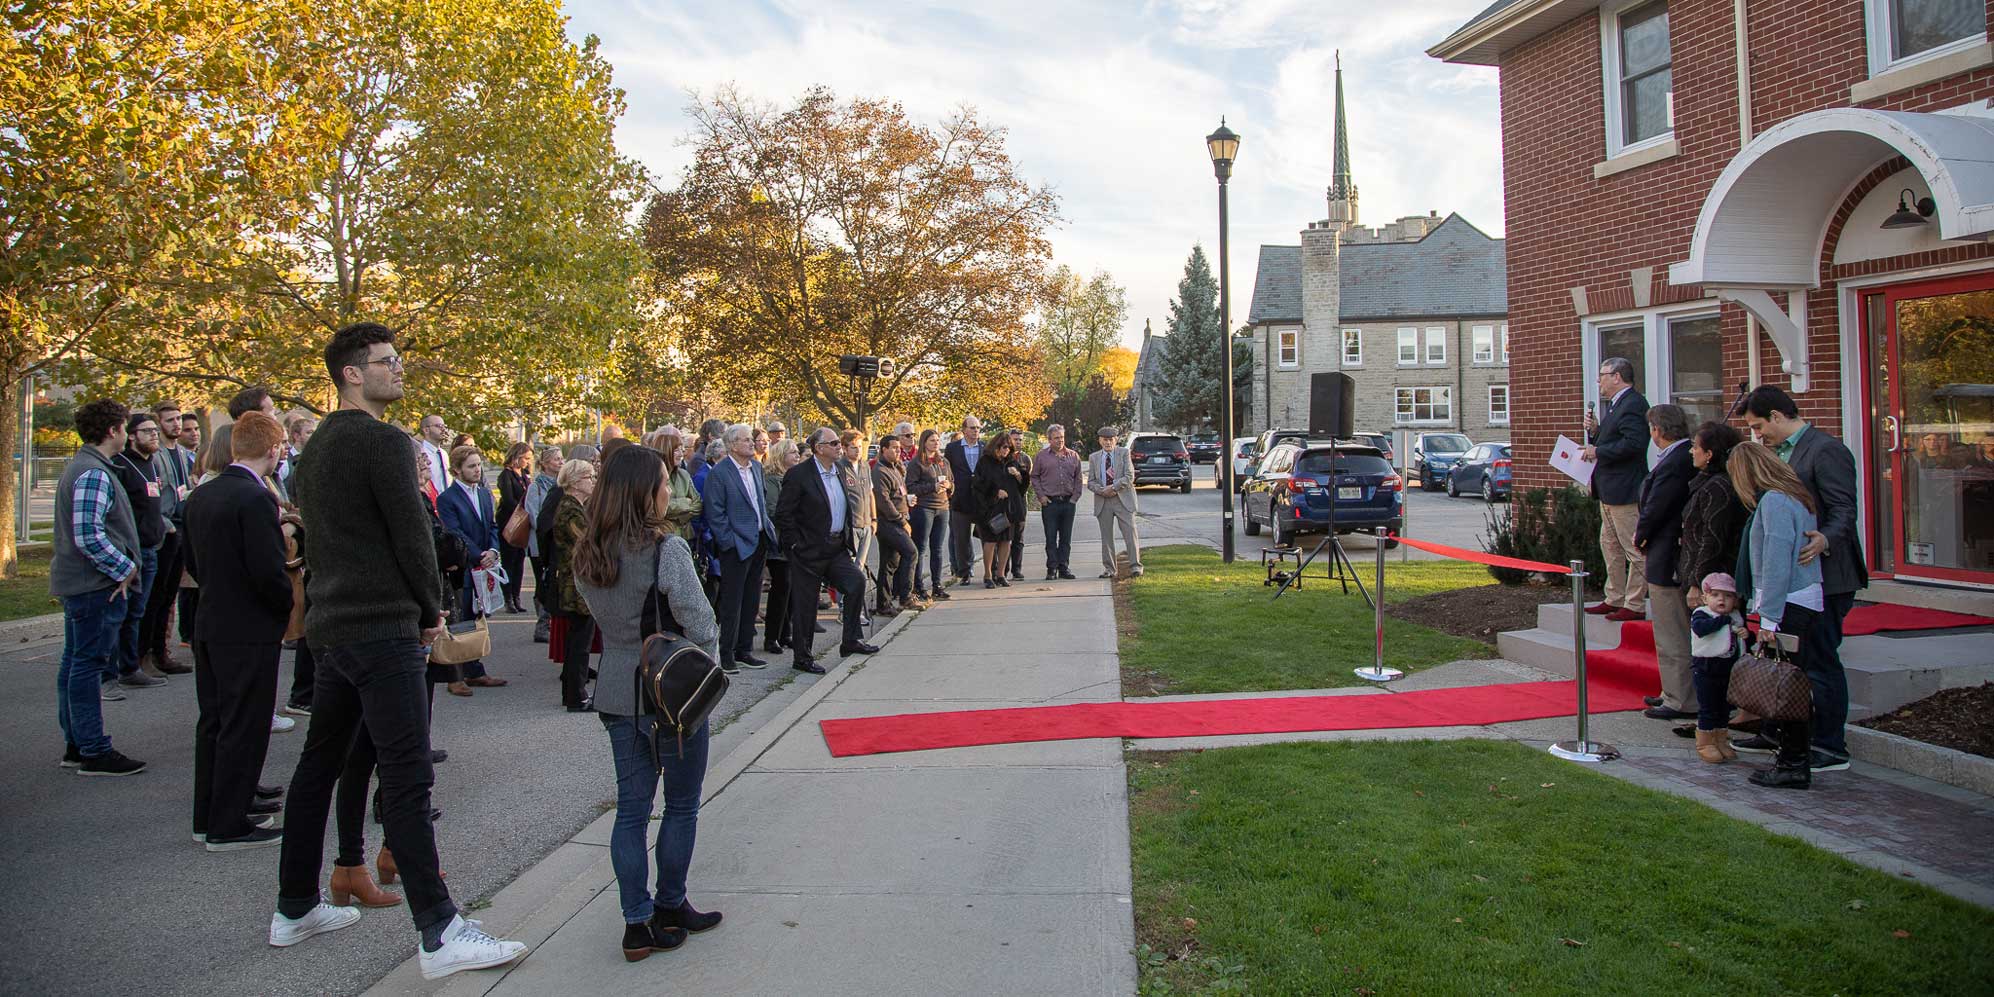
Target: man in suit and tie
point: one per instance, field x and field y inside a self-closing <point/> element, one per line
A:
<point x="1825" y="465"/>
<point x="735" y="504"/>
<point x="963" y="456"/>
<point x="235" y="551"/>
<point x="436" y="450"/>
<point x="1111" y="477"/>
<point x="1663" y="494"/>
<point x="466" y="509"/>
<point x="813" y="518"/>
<point x="1619" y="452"/>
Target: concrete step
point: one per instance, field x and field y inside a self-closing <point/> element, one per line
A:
<point x="1557" y="618"/>
<point x="1539" y="648"/>
<point x="1887" y="672"/>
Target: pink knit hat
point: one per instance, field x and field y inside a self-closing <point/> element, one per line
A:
<point x="1718" y="581"/>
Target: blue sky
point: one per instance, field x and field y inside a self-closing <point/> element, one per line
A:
<point x="1109" y="103"/>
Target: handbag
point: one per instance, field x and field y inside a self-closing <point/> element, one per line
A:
<point x="518" y="529"/>
<point x="462" y="643"/>
<point x="676" y="679"/>
<point x="1772" y="686"/>
<point x="1000" y="523"/>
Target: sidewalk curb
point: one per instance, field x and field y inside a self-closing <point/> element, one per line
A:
<point x="31" y="628"/>
<point x="553" y="890"/>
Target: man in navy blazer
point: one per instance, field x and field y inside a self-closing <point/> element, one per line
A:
<point x="465" y="507"/>
<point x="1619" y="452"/>
<point x="735" y="504"/>
<point x="1663" y="494"/>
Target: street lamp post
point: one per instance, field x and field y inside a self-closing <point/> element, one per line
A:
<point x="1224" y="146"/>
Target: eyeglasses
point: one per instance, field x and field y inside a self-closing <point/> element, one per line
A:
<point x="153" y="431"/>
<point x="391" y="361"/>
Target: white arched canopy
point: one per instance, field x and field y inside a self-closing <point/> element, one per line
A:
<point x="1764" y="221"/>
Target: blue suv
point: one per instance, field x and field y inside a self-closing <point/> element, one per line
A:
<point x="1434" y="456"/>
<point x="1296" y="486"/>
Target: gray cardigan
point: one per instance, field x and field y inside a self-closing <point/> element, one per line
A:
<point x="619" y="615"/>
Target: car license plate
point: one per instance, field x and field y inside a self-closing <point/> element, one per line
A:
<point x="1159" y="460"/>
<point x="1350" y="492"/>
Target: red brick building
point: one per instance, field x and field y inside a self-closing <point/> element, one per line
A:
<point x="1711" y="188"/>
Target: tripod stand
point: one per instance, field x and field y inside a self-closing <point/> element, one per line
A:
<point x="1339" y="561"/>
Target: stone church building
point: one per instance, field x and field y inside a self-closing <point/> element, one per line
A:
<point x="1415" y="311"/>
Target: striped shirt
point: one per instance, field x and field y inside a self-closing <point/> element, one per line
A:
<point x="92" y="502"/>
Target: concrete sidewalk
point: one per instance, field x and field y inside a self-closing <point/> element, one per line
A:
<point x="1001" y="869"/>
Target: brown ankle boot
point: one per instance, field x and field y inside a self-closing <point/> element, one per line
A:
<point x="1707" y="746"/>
<point x="352" y="883"/>
<point x="384" y="863"/>
<point x="1724" y="744"/>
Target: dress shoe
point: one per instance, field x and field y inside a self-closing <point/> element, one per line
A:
<point x="1625" y="616"/>
<point x="940" y="594"/>
<point x="255" y="837"/>
<point x="1652" y="700"/>
<point x="808" y="666"/>
<point x="1757" y="744"/>
<point x="1683" y="730"/>
<point x="265" y="807"/>
<point x="438" y="756"/>
<point x="581" y="708"/>
<point x="750" y="661"/>
<point x="911" y="604"/>
<point x="1001" y="583"/>
<point x="1105" y="574"/>
<point x="1066" y="575"/>
<point x="168" y="665"/>
<point x="150" y="667"/>
<point x="820" y="628"/>
<point x="886" y="612"/>
<point x="857" y="647"/>
<point x="353" y="884"/>
<point x="458" y="689"/>
<point x="269" y="792"/>
<point x="1668" y="713"/>
<point x="1017" y="575"/>
<point x="989" y="583"/>
<point x="1601" y="608"/>
<point x="1052" y="576"/>
<point x="486" y="681"/>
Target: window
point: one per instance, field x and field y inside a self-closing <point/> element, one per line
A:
<point x="1627" y="341"/>
<point x="1505" y="342"/>
<point x="1408" y="347"/>
<point x="1485" y="344"/>
<point x="1696" y="368"/>
<point x="1424" y="405"/>
<point x="1436" y="344"/>
<point x="1353" y="347"/>
<point x="1498" y="404"/>
<point x="1905" y="31"/>
<point x="1291" y="350"/>
<point x="1640" y="85"/>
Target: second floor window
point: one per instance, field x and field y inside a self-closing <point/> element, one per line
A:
<point x="1353" y="347"/>
<point x="1408" y="347"/>
<point x="1291" y="352"/>
<point x="1911" y="30"/>
<point x="1485" y="344"/>
<point x="1640" y="101"/>
<point x="1436" y="345"/>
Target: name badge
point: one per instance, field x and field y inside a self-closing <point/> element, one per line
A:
<point x="152" y="489"/>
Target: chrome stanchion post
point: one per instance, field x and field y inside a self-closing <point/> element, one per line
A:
<point x="1378" y="672"/>
<point x="1584" y="749"/>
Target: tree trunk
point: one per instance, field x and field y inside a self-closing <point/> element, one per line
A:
<point x="10" y="430"/>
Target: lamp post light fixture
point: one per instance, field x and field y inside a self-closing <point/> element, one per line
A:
<point x="1911" y="212"/>
<point x="1223" y="145"/>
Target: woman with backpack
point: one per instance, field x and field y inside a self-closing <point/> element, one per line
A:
<point x="627" y="551"/>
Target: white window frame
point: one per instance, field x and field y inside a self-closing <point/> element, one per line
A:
<point x="1495" y="419"/>
<point x="1442" y="394"/>
<point x="1288" y="348"/>
<point x="1436" y="336"/>
<point x="1504" y="334"/>
<point x="1656" y="358"/>
<point x="1408" y="339"/>
<point x="1353" y="337"/>
<point x="1485" y="344"/>
<point x="1609" y="63"/>
<point x="1880" y="25"/>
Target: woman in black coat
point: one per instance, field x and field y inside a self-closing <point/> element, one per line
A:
<point x="999" y="488"/>
<point x="1713" y="520"/>
<point x="513" y="482"/>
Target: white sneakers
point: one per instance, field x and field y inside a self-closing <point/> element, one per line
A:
<point x="466" y="947"/>
<point x="280" y="723"/>
<point x="285" y="932"/>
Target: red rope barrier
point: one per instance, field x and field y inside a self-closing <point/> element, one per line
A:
<point x="1481" y="557"/>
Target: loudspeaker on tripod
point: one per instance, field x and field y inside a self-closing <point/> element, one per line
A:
<point x="1332" y="405"/>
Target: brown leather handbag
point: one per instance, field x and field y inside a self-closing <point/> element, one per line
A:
<point x="517" y="528"/>
<point x="1772" y="686"/>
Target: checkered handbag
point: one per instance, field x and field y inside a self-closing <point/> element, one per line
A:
<point x="1772" y="686"/>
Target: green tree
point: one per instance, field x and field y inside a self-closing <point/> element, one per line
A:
<point x="474" y="200"/>
<point x="1083" y="410"/>
<point x="138" y="137"/>
<point x="1081" y="322"/>
<point x="1191" y="365"/>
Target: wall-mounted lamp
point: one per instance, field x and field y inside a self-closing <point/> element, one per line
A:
<point x="1905" y="215"/>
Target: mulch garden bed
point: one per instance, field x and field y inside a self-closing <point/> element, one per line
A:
<point x="1960" y="719"/>
<point x="1480" y="612"/>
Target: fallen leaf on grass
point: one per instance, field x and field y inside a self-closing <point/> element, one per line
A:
<point x="1190" y="924"/>
<point x="1573" y="943"/>
<point x="1675" y="945"/>
<point x="1458" y="921"/>
<point x="1854" y="905"/>
<point x="1479" y="878"/>
<point x="1318" y="928"/>
<point x="1545" y="785"/>
<point x="1418" y="792"/>
<point x="1900" y="933"/>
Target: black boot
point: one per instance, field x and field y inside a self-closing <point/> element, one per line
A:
<point x="684" y="917"/>
<point x="1784" y="777"/>
<point x="645" y="937"/>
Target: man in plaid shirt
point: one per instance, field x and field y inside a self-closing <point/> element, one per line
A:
<point x="93" y="571"/>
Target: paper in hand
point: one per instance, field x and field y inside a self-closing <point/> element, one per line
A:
<point x="1566" y="457"/>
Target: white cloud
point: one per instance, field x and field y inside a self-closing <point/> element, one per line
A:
<point x="1108" y="102"/>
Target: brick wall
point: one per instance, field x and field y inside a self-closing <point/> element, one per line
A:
<point x="1566" y="229"/>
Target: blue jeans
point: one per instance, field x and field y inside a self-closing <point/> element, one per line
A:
<point x="90" y="625"/>
<point x="931" y="538"/>
<point x="637" y="778"/>
<point x="128" y="642"/>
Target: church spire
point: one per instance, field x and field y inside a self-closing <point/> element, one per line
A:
<point x="1342" y="192"/>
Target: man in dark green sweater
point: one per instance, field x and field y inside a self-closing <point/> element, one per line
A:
<point x="374" y="609"/>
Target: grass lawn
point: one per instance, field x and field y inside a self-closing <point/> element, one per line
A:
<point x="27" y="594"/>
<point x="1191" y="624"/>
<point x="1474" y="867"/>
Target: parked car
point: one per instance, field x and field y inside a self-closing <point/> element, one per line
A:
<point x="1204" y="448"/>
<point x="1296" y="488"/>
<point x="1161" y="459"/>
<point x="1243" y="451"/>
<point x="1434" y="456"/>
<point x="1484" y="470"/>
<point x="1383" y="441"/>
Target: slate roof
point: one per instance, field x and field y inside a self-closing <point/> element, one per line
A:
<point x="1456" y="270"/>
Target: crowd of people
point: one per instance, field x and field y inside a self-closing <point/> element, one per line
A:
<point x="377" y="555"/>
<point x="1718" y="527"/>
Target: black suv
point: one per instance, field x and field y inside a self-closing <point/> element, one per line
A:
<point x="1204" y="448"/>
<point x="1161" y="459"/>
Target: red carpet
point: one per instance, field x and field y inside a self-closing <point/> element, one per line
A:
<point x="1619" y="677"/>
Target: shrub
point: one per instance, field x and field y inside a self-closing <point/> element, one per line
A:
<point x="1553" y="526"/>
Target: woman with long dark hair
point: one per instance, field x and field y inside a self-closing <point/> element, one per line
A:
<point x="1000" y="501"/>
<point x="1713" y="522"/>
<point x="929" y="482"/>
<point x="625" y="554"/>
<point x="513" y="482"/>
